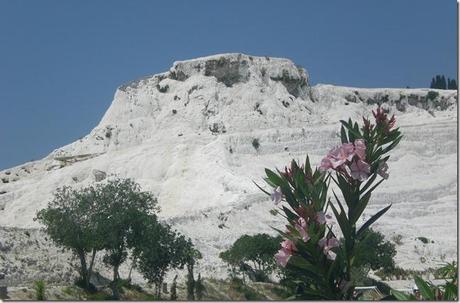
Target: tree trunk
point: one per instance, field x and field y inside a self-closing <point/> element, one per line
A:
<point x="83" y="270"/>
<point x="133" y="262"/>
<point x="190" y="283"/>
<point x="115" y="290"/>
<point x="158" y="289"/>
<point x="90" y="270"/>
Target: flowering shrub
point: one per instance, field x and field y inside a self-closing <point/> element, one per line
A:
<point x="320" y="263"/>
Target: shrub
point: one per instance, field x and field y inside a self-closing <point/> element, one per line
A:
<point x="375" y="252"/>
<point x="39" y="287"/>
<point x="255" y="143"/>
<point x="257" y="249"/>
<point x="432" y="95"/>
<point x="424" y="240"/>
<point x="397" y="239"/>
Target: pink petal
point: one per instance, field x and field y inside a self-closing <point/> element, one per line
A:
<point x="320" y="217"/>
<point x="288" y="246"/>
<point x="282" y="257"/>
<point x="333" y="242"/>
<point x="277" y="195"/>
<point x="331" y="255"/>
<point x="322" y="242"/>
<point x="360" y="148"/>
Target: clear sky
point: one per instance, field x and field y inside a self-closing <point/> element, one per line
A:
<point x="61" y="61"/>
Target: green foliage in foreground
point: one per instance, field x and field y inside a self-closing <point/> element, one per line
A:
<point x="428" y="291"/>
<point x="319" y="265"/>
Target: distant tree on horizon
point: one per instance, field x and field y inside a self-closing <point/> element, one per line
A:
<point x="439" y="82"/>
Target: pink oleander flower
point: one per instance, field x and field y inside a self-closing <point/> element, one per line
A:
<point x="282" y="257"/>
<point x="360" y="170"/>
<point x="301" y="227"/>
<point x="289" y="246"/>
<point x="327" y="245"/>
<point x="360" y="149"/>
<point x="277" y="195"/>
<point x="286" y="251"/>
<point x="383" y="170"/>
<point x="322" y="218"/>
<point x="338" y="156"/>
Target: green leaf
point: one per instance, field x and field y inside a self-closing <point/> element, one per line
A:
<point x="374" y="187"/>
<point x="343" y="135"/>
<point x="308" y="166"/>
<point x="401" y="296"/>
<point x="424" y="288"/>
<point x="392" y="145"/>
<point x="368" y="183"/>
<point x="273" y="177"/>
<point x="342" y="220"/>
<point x="291" y="216"/>
<point x="266" y="192"/>
<point x="358" y="210"/>
<point x="304" y="264"/>
<point x="372" y="220"/>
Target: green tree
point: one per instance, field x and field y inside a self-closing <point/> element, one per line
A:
<point x="121" y="210"/>
<point x="68" y="220"/>
<point x="443" y="83"/>
<point x="173" y="290"/>
<point x="199" y="288"/>
<point x="187" y="255"/>
<point x="257" y="249"/>
<point x="433" y="83"/>
<point x="161" y="249"/>
<point x="154" y="255"/>
<point x="437" y="82"/>
<point x="375" y="252"/>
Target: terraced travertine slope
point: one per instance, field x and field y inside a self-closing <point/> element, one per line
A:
<point x="189" y="135"/>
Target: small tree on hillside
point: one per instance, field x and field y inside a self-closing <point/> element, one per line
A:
<point x="173" y="290"/>
<point x="187" y="255"/>
<point x="121" y="211"/>
<point x="161" y="249"/>
<point x="68" y="220"/>
<point x="375" y="252"/>
<point x="258" y="249"/>
<point x="199" y="288"/>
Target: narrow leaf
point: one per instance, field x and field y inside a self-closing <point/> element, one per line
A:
<point x="372" y="220"/>
<point x="424" y="288"/>
<point x="266" y="192"/>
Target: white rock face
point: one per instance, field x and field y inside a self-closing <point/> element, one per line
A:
<point x="189" y="136"/>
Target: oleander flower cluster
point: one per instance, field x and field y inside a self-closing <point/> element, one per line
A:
<point x="311" y="250"/>
<point x="348" y="159"/>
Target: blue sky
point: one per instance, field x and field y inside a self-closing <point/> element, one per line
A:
<point x="61" y="61"/>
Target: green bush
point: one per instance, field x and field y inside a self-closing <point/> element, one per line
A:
<point x="39" y="287"/>
<point x="432" y="95"/>
<point x="424" y="240"/>
<point x="375" y="252"/>
<point x="255" y="143"/>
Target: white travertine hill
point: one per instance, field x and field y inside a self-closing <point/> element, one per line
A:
<point x="199" y="134"/>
